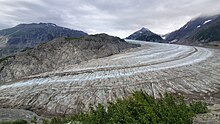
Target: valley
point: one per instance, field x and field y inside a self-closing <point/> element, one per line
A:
<point x="109" y="62"/>
<point x="155" y="68"/>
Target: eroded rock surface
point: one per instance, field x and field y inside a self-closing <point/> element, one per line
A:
<point x="154" y="68"/>
<point x="7" y="114"/>
<point x="60" y="53"/>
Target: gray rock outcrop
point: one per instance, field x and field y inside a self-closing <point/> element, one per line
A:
<point x="60" y="53"/>
<point x="7" y="114"/>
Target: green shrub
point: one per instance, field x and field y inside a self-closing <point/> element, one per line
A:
<point x="5" y="58"/>
<point x="141" y="108"/>
<point x="15" y="122"/>
<point x="72" y="38"/>
<point x="198" y="107"/>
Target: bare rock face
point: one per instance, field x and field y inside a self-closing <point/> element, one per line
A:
<point x="60" y="53"/>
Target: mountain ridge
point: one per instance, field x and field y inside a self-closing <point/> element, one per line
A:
<point x="196" y="31"/>
<point x="144" y="34"/>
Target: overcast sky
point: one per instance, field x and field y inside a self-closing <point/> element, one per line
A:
<point x="115" y="17"/>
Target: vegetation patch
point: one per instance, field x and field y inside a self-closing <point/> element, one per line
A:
<point x="140" y="108"/>
<point x="15" y="122"/>
<point x="72" y="38"/>
<point x="5" y="58"/>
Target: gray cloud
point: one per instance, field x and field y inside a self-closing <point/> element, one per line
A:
<point x="119" y="18"/>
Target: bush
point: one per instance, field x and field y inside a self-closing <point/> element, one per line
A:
<point x="141" y="108"/>
<point x="198" y="107"/>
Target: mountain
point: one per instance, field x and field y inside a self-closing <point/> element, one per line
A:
<point x="197" y="31"/>
<point x="59" y="53"/>
<point x="208" y="34"/>
<point x="29" y="35"/>
<point x="145" y="34"/>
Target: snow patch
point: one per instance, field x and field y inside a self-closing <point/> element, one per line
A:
<point x="199" y="26"/>
<point x="207" y="21"/>
<point x="163" y="37"/>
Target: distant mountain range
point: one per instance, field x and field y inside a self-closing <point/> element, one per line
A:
<point x="199" y="31"/>
<point x="22" y="36"/>
<point x="202" y="31"/>
<point x="145" y="34"/>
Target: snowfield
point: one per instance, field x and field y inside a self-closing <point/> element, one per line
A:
<point x="155" y="68"/>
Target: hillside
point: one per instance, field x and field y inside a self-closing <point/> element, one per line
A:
<point x="199" y="31"/>
<point x="207" y="34"/>
<point x="59" y="53"/>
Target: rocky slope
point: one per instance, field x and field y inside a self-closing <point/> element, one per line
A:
<point x="21" y="36"/>
<point x="145" y="34"/>
<point x="60" y="53"/>
<point x="199" y="31"/>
